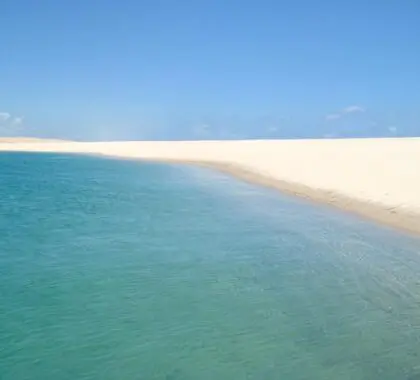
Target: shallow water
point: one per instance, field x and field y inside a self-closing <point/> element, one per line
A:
<point x="121" y="270"/>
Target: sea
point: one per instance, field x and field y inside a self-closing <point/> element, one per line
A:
<point x="123" y="270"/>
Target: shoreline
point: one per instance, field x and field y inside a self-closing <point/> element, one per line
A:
<point x="376" y="179"/>
<point x="408" y="222"/>
<point x="375" y="212"/>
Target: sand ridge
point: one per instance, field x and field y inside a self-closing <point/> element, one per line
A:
<point x="376" y="178"/>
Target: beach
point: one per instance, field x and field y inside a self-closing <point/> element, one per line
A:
<point x="376" y="178"/>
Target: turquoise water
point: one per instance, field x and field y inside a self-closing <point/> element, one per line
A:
<point x="127" y="271"/>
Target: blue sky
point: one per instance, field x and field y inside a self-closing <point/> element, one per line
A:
<point x="178" y="69"/>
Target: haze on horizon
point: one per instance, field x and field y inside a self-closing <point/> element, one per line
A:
<point x="209" y="70"/>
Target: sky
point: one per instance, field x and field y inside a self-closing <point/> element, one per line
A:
<point x="209" y="69"/>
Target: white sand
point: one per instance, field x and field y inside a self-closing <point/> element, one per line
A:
<point x="377" y="178"/>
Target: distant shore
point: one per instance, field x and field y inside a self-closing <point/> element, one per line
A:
<point x="375" y="178"/>
<point x="25" y="140"/>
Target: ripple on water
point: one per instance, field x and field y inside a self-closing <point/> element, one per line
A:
<point x="120" y="270"/>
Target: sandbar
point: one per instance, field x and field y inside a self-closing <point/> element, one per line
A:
<point x="375" y="178"/>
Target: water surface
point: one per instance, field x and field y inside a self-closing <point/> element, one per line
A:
<point x="121" y="270"/>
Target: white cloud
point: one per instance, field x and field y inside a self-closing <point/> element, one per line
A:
<point x="9" y="123"/>
<point x="17" y="120"/>
<point x="353" y="109"/>
<point x="228" y="135"/>
<point x="345" y="111"/>
<point x="201" y="130"/>
<point x="392" y="129"/>
<point x="333" y="116"/>
<point x="4" y="116"/>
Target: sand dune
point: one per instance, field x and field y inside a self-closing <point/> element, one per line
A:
<point x="377" y="178"/>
